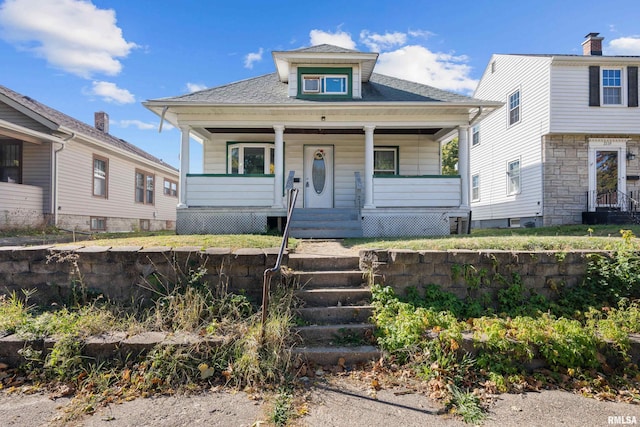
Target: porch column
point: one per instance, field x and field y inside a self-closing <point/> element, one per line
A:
<point x="368" y="166"/>
<point x="463" y="164"/>
<point x="278" y="166"/>
<point x="184" y="166"/>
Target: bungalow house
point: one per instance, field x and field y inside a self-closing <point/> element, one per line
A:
<point x="362" y="148"/>
<point x="564" y="149"/>
<point x="57" y="170"/>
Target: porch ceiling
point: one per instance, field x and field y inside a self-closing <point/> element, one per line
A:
<point x="332" y="131"/>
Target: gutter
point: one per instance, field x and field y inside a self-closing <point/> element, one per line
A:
<point x="55" y="175"/>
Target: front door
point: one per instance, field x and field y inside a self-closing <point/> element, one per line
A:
<point x="607" y="172"/>
<point x="318" y="176"/>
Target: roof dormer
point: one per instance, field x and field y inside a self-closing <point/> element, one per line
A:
<point x="324" y="71"/>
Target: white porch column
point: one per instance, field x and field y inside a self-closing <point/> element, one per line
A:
<point x="463" y="164"/>
<point x="368" y="166"/>
<point x="278" y="166"/>
<point x="184" y="166"/>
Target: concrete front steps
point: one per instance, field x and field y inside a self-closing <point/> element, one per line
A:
<point x="335" y="309"/>
<point x="325" y="223"/>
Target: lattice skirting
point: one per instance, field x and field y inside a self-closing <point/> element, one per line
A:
<point x="202" y="222"/>
<point x="396" y="225"/>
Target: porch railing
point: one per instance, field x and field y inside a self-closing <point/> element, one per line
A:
<point x="614" y="201"/>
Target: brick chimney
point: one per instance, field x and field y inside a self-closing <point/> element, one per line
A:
<point x="101" y="121"/>
<point x="592" y="46"/>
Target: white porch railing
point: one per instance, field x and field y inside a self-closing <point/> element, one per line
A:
<point x="20" y="205"/>
<point x="229" y="190"/>
<point x="432" y="191"/>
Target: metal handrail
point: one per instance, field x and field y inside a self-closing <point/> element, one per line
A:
<point x="292" y="196"/>
<point x="615" y="200"/>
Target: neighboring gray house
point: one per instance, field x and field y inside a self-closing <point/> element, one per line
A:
<point x="363" y="148"/>
<point x="565" y="148"/>
<point x="57" y="170"/>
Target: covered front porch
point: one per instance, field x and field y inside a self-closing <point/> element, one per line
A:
<point x="371" y="181"/>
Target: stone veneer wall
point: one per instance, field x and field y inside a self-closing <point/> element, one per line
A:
<point x="120" y="273"/>
<point x="566" y="176"/>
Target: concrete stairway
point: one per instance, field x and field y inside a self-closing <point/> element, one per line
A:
<point x="325" y="223"/>
<point x="335" y="309"/>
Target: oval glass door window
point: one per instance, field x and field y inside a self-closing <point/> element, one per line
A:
<point x="318" y="171"/>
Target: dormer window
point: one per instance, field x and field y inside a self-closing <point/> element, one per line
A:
<point x="328" y="85"/>
<point x="325" y="81"/>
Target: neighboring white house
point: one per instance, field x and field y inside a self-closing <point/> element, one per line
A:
<point x="363" y="148"/>
<point x="57" y="170"/>
<point x="565" y="147"/>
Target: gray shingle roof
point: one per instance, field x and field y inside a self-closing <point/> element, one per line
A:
<point x="268" y="90"/>
<point x="325" y="48"/>
<point x="77" y="126"/>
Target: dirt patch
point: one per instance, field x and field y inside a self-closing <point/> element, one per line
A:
<point x="324" y="248"/>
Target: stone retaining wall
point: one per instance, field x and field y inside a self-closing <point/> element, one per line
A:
<point x="125" y="274"/>
<point x="472" y="273"/>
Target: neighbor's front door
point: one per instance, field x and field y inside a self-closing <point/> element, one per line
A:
<point x="607" y="172"/>
<point x="318" y="176"/>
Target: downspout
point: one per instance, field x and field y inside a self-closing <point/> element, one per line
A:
<point x="164" y="111"/>
<point x="55" y="177"/>
<point x="472" y="121"/>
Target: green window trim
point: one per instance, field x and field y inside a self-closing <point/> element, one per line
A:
<point x="416" y="176"/>
<point x="396" y="165"/>
<point x="325" y="71"/>
<point x="267" y="145"/>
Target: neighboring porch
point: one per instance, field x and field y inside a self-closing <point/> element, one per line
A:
<point x="20" y="205"/>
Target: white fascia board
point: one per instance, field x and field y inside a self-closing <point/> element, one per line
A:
<point x="32" y="135"/>
<point x="595" y="59"/>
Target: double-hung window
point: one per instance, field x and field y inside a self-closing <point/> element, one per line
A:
<point x="100" y="176"/>
<point x="514" y="107"/>
<point x="475" y="138"/>
<point x="612" y="86"/>
<point x="475" y="187"/>
<point x="513" y="177"/>
<point x="251" y="159"/>
<point x="145" y="183"/>
<point x="170" y="188"/>
<point x="385" y="160"/>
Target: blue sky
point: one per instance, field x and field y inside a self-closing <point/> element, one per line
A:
<point x="81" y="56"/>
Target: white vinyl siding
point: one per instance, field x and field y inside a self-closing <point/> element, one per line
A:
<point x="502" y="143"/>
<point x="417" y="155"/>
<point x="570" y="111"/>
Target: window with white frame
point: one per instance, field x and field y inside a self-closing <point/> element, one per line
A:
<point x="475" y="187"/>
<point x="100" y="176"/>
<point x="385" y="160"/>
<point x="475" y="135"/>
<point x="328" y="85"/>
<point x="145" y="184"/>
<point x="612" y="86"/>
<point x="251" y="159"/>
<point x="514" y="107"/>
<point x="513" y="177"/>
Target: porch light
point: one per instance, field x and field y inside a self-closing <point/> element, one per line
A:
<point x="630" y="155"/>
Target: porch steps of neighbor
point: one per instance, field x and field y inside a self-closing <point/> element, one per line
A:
<point x="335" y="310"/>
<point x="316" y="223"/>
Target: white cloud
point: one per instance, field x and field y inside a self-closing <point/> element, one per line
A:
<point x="339" y="38"/>
<point x="111" y="93"/>
<point x="379" y="42"/>
<point x="417" y="63"/>
<point x="72" y="35"/>
<point x="252" y="57"/>
<point x="624" y="46"/>
<point x="195" y="87"/>
<point x="421" y="33"/>
<point x="136" y="124"/>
